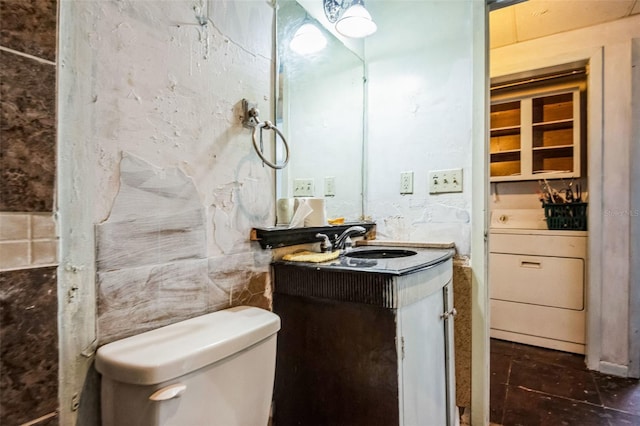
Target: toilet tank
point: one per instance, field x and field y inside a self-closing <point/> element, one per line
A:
<point x="216" y="369"/>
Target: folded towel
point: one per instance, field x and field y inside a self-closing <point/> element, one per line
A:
<point x="336" y="221"/>
<point x="310" y="256"/>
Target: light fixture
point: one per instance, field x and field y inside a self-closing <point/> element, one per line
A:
<point x="352" y="19"/>
<point x="308" y="39"/>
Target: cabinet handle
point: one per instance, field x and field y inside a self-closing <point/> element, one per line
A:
<point x="451" y="313"/>
<point x="527" y="264"/>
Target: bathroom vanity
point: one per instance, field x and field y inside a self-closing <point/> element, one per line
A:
<point x="366" y="340"/>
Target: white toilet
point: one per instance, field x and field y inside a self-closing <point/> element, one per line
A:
<point x="216" y="369"/>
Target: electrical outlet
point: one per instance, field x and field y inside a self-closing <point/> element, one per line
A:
<point x="303" y="188"/>
<point x="406" y="183"/>
<point x="445" y="181"/>
<point x="329" y="186"/>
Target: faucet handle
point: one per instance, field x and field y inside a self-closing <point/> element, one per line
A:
<point x="348" y="244"/>
<point x="325" y="245"/>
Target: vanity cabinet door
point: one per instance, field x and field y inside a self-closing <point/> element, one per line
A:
<point x="426" y="360"/>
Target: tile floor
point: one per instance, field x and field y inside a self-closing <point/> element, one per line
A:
<point x="533" y="386"/>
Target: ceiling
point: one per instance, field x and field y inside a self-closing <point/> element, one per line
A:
<point x="538" y="18"/>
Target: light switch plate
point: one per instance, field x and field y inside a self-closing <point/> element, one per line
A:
<point x="445" y="181"/>
<point x="303" y="188"/>
<point x="406" y="183"/>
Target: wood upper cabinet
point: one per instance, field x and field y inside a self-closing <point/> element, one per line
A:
<point x="536" y="136"/>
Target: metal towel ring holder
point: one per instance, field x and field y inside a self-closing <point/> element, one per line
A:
<point x="251" y="120"/>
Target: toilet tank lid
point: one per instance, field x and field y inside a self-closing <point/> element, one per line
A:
<point x="172" y="351"/>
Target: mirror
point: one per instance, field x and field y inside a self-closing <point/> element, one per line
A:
<point x="320" y="110"/>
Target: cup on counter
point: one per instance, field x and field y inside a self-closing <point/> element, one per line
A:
<point x="284" y="210"/>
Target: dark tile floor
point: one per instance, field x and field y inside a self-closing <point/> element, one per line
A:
<point x="533" y="386"/>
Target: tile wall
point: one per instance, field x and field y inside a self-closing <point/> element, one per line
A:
<point x="28" y="242"/>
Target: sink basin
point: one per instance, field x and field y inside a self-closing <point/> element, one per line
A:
<point x="385" y="260"/>
<point x="380" y="253"/>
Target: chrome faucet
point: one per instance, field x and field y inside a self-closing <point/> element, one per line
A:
<point x="344" y="240"/>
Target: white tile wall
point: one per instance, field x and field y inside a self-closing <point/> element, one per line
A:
<point x="27" y="240"/>
<point x="14" y="226"/>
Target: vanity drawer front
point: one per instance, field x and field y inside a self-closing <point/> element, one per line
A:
<point x="541" y="321"/>
<point x="538" y="280"/>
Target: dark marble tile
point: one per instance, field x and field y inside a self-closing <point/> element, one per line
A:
<point x="619" y="393"/>
<point x="554" y="380"/>
<point x="29" y="350"/>
<point x="500" y="366"/>
<point x="501" y="347"/>
<point x="524" y="407"/>
<point x="549" y="356"/>
<point x="27" y="125"/>
<point x="547" y="387"/>
<point x="497" y="397"/>
<point x="29" y="26"/>
<point x="619" y="418"/>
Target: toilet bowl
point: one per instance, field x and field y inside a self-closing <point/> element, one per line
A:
<point x="216" y="369"/>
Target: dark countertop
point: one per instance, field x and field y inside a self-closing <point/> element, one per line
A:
<point x="283" y="236"/>
<point x="424" y="258"/>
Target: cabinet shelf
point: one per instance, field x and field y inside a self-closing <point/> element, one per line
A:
<point x="504" y="169"/>
<point x="553" y="148"/>
<point x="552" y="107"/>
<point x="505" y="115"/>
<point x="537" y="135"/>
<point x="552" y="159"/>
<point x="513" y="155"/>
<point x="553" y="125"/>
<point x="509" y="130"/>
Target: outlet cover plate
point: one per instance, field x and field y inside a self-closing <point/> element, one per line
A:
<point x="406" y="183"/>
<point x="330" y="186"/>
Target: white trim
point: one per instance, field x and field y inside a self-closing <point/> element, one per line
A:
<point x="595" y="148"/>
<point x="75" y="199"/>
<point x="538" y="341"/>
<point x="634" y="231"/>
<point x="480" y="373"/>
<point x="613" y="369"/>
<point x="594" y="57"/>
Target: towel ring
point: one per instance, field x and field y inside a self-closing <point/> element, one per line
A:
<point x="268" y="125"/>
<point x="251" y="120"/>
